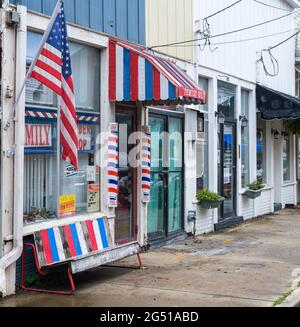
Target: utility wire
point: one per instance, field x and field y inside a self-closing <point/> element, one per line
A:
<point x="222" y="10"/>
<point x="237" y="41"/>
<point x="271" y="6"/>
<point x="284" y="41"/>
<point x="223" y="34"/>
<point x="273" y="60"/>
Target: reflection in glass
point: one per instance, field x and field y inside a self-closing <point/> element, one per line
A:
<point x="245" y="141"/>
<point x="261" y="149"/>
<point x="228" y="170"/>
<point x="156" y="206"/>
<point x="226" y="99"/>
<point x="175" y="202"/>
<point x="86" y="75"/>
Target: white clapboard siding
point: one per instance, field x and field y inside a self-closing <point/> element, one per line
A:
<point x="288" y="195"/>
<point x="247" y="209"/>
<point x="205" y="221"/>
<point x="263" y="204"/>
<point x="239" y="59"/>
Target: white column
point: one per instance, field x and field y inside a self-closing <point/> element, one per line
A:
<point x="238" y="112"/>
<point x="107" y="117"/>
<point x="213" y="140"/>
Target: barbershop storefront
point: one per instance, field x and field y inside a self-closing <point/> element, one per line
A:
<point x="149" y="92"/>
<point x="130" y="169"/>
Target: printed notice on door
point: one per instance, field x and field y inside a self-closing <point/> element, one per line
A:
<point x="93" y="198"/>
<point x="67" y="205"/>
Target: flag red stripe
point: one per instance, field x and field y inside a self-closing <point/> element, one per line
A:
<point x="68" y="152"/>
<point x="51" y="56"/>
<point x="46" y="82"/>
<point x="69" y="128"/>
<point x="49" y="69"/>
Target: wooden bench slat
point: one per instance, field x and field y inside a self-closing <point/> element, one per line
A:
<point x="66" y="243"/>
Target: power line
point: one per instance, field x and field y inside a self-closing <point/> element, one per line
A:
<point x="224" y="34"/>
<point x="273" y="60"/>
<point x="237" y="41"/>
<point x="222" y="10"/>
<point x="271" y="6"/>
<point x="284" y="41"/>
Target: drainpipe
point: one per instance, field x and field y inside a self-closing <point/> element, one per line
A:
<point x="19" y="126"/>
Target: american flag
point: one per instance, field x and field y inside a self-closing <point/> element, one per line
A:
<point x="52" y="67"/>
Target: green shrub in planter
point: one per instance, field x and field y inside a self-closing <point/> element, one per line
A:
<point x="209" y="200"/>
<point x="254" y="189"/>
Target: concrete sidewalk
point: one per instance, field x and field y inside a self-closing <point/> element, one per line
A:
<point x="250" y="265"/>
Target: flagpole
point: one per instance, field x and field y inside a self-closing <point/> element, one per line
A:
<point x="43" y="41"/>
<point x="58" y="156"/>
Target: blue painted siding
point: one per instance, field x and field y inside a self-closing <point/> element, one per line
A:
<point x="122" y="18"/>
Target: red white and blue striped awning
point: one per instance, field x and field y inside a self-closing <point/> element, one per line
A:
<point x="137" y="74"/>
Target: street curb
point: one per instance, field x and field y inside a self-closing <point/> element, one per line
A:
<point x="292" y="301"/>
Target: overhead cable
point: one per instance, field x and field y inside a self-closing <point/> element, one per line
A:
<point x="224" y="34"/>
<point x="271" y="6"/>
<point x="237" y="41"/>
<point x="273" y="60"/>
<point x="222" y="10"/>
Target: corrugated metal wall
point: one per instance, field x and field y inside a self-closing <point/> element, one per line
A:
<point x="122" y="18"/>
<point x="170" y="21"/>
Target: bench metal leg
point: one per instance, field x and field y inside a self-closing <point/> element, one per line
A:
<point x="29" y="289"/>
<point x="138" y="267"/>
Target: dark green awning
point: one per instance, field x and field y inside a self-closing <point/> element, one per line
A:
<point x="276" y="105"/>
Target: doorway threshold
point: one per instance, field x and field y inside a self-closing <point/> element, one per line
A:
<point x="228" y="223"/>
<point x="159" y="243"/>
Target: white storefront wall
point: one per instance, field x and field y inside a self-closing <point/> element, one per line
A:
<point x="236" y="64"/>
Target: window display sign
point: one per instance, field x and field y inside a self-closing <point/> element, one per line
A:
<point x="93" y="198"/>
<point x="38" y="136"/>
<point x="85" y="137"/>
<point x="67" y="205"/>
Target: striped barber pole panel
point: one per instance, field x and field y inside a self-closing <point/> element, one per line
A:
<point x="146" y="165"/>
<point x="53" y="115"/>
<point x="65" y="243"/>
<point x="112" y="165"/>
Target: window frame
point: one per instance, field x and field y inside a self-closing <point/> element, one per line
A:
<point x="80" y="112"/>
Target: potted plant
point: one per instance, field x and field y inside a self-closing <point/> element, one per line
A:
<point x="209" y="200"/>
<point x="254" y="189"/>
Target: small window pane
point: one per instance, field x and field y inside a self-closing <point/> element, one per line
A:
<point x="287" y="159"/>
<point x="245" y="141"/>
<point x="226" y="99"/>
<point x="261" y="149"/>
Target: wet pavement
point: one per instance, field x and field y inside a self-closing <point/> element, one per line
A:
<point x="250" y="265"/>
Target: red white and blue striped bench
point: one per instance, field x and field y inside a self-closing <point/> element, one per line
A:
<point x="82" y="245"/>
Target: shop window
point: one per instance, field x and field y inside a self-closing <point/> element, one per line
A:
<point x="245" y="139"/>
<point x="261" y="149"/>
<point x="203" y="141"/>
<point x="226" y="99"/>
<point x="53" y="189"/>
<point x="286" y="157"/>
